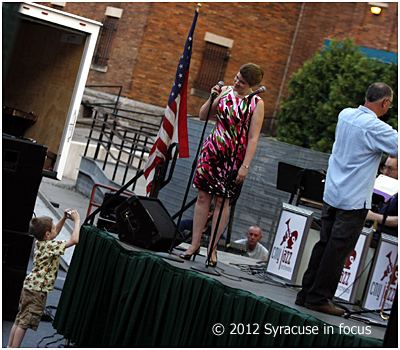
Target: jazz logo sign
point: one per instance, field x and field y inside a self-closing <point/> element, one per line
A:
<point x="383" y="283"/>
<point x="286" y="245"/>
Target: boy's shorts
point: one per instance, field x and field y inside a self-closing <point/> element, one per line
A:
<point x="31" y="308"/>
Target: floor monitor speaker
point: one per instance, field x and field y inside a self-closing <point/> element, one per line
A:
<point x="13" y="282"/>
<point x="144" y="222"/>
<point x="17" y="248"/>
<point x="23" y="162"/>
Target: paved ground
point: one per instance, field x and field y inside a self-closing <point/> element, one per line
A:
<point x="63" y="195"/>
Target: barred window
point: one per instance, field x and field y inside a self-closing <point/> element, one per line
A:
<point x="213" y="65"/>
<point x="103" y="48"/>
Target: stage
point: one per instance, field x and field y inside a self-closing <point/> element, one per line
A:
<point x="117" y="295"/>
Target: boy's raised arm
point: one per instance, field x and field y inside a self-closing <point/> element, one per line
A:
<point x="77" y="226"/>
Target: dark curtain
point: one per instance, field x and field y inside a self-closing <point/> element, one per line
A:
<point x="114" y="297"/>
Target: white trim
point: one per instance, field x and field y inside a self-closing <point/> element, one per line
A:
<point x="384" y="5"/>
<point x="59" y="17"/>
<point x="218" y="40"/>
<point x="113" y="12"/>
<point x="90" y="30"/>
<point x="61" y="4"/>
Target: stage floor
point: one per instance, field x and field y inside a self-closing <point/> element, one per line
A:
<point x="244" y="273"/>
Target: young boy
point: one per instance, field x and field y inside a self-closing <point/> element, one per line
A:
<point x="41" y="280"/>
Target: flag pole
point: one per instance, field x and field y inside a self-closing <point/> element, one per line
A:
<point x="174" y="124"/>
<point x="169" y="255"/>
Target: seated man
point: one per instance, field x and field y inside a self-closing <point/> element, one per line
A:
<point x="255" y="249"/>
<point x="390" y="208"/>
<point x="186" y="226"/>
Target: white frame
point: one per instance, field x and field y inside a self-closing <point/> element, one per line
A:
<point x="285" y="260"/>
<point x="90" y="29"/>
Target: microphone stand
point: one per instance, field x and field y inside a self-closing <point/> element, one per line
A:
<point x="170" y="255"/>
<point x="228" y="182"/>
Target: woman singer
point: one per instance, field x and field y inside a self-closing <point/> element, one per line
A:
<point x="229" y="107"/>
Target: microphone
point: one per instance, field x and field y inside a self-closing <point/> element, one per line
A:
<point x="259" y="91"/>
<point x="220" y="84"/>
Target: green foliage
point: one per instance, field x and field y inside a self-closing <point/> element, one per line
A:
<point x="336" y="78"/>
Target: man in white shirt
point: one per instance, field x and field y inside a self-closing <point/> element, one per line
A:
<point x="360" y="139"/>
<point x="255" y="249"/>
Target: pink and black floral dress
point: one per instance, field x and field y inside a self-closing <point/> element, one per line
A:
<point x="219" y="149"/>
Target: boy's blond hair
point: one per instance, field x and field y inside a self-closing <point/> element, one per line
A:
<point x="39" y="226"/>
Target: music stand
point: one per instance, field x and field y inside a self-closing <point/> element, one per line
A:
<point x="307" y="184"/>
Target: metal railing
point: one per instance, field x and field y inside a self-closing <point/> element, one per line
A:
<point x="104" y="103"/>
<point x="124" y="136"/>
<point x="93" y="203"/>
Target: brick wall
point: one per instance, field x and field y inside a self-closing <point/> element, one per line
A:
<point x="150" y="38"/>
<point x="321" y="21"/>
<point x="126" y="41"/>
<point x="261" y="33"/>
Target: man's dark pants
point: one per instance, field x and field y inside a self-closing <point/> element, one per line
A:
<point x="338" y="237"/>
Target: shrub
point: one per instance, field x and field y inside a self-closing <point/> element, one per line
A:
<point x="336" y="78"/>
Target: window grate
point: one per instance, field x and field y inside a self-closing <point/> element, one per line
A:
<point x="213" y="66"/>
<point x="102" y="54"/>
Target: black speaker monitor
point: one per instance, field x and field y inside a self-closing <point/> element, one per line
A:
<point x="107" y="219"/>
<point x="144" y="222"/>
<point x="17" y="247"/>
<point x="23" y="162"/>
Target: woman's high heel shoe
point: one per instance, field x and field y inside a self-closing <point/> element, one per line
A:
<point x="212" y="263"/>
<point x="185" y="256"/>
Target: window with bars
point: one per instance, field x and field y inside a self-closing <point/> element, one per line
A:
<point x="212" y="69"/>
<point x="103" y="48"/>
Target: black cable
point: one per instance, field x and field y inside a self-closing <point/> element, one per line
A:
<point x="260" y="273"/>
<point x="49" y="313"/>
<point x="50" y="336"/>
<point x="54" y="342"/>
<point x="224" y="274"/>
<point x="238" y="278"/>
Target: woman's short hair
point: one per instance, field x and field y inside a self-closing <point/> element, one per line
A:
<point x="39" y="226"/>
<point x="252" y="73"/>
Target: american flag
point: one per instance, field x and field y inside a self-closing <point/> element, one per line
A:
<point x="174" y="125"/>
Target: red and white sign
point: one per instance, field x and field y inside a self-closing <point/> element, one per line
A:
<point x="350" y="270"/>
<point x="292" y="229"/>
<point x="383" y="282"/>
